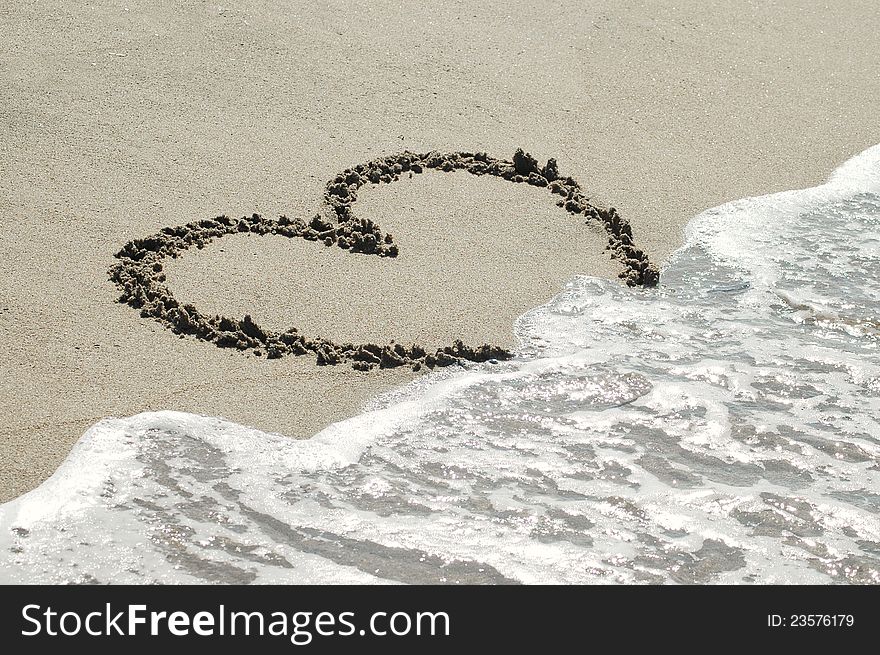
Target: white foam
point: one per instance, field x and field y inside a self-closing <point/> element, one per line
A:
<point x="744" y="233"/>
<point x="721" y="428"/>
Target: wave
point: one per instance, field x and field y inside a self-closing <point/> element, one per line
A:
<point x="719" y="428"/>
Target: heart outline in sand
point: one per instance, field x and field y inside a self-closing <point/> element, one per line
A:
<point x="139" y="273"/>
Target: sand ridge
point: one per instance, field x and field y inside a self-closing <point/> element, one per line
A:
<point x="140" y="272"/>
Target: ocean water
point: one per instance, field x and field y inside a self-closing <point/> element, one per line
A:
<point x="721" y="428"/>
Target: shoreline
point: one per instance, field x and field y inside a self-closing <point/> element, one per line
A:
<point x="660" y="114"/>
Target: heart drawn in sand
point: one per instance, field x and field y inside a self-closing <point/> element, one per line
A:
<point x="139" y="273"/>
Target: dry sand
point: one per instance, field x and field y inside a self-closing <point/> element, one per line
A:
<point x="119" y="119"/>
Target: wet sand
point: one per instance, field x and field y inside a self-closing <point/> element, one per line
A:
<point x="118" y="122"/>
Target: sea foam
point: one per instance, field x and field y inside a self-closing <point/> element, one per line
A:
<point x="721" y="428"/>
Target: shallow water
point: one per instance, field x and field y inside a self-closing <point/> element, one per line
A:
<point x="718" y="429"/>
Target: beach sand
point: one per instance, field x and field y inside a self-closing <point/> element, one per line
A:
<point x="119" y="120"/>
